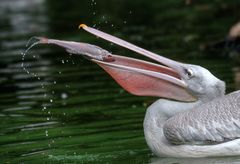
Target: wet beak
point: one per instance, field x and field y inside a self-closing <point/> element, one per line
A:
<point x="135" y="76"/>
<point x="173" y="73"/>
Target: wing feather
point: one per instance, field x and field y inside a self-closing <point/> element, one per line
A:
<point x="214" y="122"/>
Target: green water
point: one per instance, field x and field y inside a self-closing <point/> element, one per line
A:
<point x="68" y="110"/>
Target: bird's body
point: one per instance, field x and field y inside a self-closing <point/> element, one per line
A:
<point x="201" y="130"/>
<point x="196" y="119"/>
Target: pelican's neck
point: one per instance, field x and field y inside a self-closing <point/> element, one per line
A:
<point x="156" y="116"/>
<point x="163" y="109"/>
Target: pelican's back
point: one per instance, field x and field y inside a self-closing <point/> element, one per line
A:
<point x="211" y="123"/>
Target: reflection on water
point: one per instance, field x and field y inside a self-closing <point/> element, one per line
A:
<point x="23" y="17"/>
<point x="67" y="109"/>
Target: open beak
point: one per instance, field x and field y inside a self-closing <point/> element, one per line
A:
<point x="138" y="77"/>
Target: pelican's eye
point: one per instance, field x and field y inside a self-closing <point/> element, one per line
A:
<point x="189" y="73"/>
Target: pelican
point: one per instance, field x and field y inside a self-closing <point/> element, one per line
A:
<point x="192" y="118"/>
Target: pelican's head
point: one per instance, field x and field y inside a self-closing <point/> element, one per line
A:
<point x="183" y="82"/>
<point x="172" y="80"/>
<point x="200" y="82"/>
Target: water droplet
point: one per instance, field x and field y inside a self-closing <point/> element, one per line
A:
<point x="121" y="91"/>
<point x="44" y="108"/>
<point x="64" y="95"/>
<point x="145" y="104"/>
<point x="93" y="2"/>
<point x="67" y="86"/>
<point x="134" y="106"/>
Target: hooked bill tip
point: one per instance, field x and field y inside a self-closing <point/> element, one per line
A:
<point x="82" y="26"/>
<point x="42" y="39"/>
<point x="39" y="39"/>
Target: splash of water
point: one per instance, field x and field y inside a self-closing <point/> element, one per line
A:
<point x="25" y="53"/>
<point x="32" y="45"/>
<point x="93" y="2"/>
<point x="32" y="42"/>
<point x="31" y="39"/>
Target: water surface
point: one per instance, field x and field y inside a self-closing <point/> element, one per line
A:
<point x="62" y="108"/>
